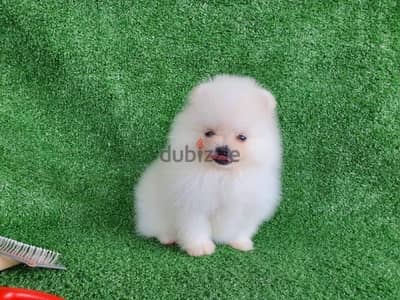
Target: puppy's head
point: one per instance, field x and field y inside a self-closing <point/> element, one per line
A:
<point x="230" y="121"/>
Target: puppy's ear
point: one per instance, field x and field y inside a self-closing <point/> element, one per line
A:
<point x="196" y="93"/>
<point x="268" y="99"/>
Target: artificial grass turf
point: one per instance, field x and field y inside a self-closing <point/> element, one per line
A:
<point x="89" y="88"/>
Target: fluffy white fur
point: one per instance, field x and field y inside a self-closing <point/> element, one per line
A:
<point x="198" y="203"/>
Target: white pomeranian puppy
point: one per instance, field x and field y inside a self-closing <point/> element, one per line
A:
<point x="219" y="178"/>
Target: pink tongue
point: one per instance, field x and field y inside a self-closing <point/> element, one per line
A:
<point x="220" y="157"/>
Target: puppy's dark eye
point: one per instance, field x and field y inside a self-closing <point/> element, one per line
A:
<point x="209" y="133"/>
<point x="241" y="137"/>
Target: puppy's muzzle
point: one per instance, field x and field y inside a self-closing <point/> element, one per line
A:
<point x="222" y="155"/>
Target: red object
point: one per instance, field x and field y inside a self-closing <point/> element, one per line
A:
<point x="200" y="143"/>
<point x="7" y="293"/>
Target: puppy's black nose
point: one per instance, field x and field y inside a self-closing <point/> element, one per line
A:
<point x="223" y="150"/>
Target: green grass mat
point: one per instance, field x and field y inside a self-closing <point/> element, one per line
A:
<point x="88" y="90"/>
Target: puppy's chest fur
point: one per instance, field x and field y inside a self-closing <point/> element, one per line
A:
<point x="213" y="191"/>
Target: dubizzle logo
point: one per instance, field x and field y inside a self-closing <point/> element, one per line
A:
<point x="189" y="155"/>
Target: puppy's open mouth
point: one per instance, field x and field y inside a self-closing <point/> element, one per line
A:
<point x="221" y="159"/>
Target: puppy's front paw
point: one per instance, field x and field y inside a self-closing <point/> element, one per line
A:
<point x="166" y="238"/>
<point x="200" y="248"/>
<point x="242" y="244"/>
<point x="166" y="241"/>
